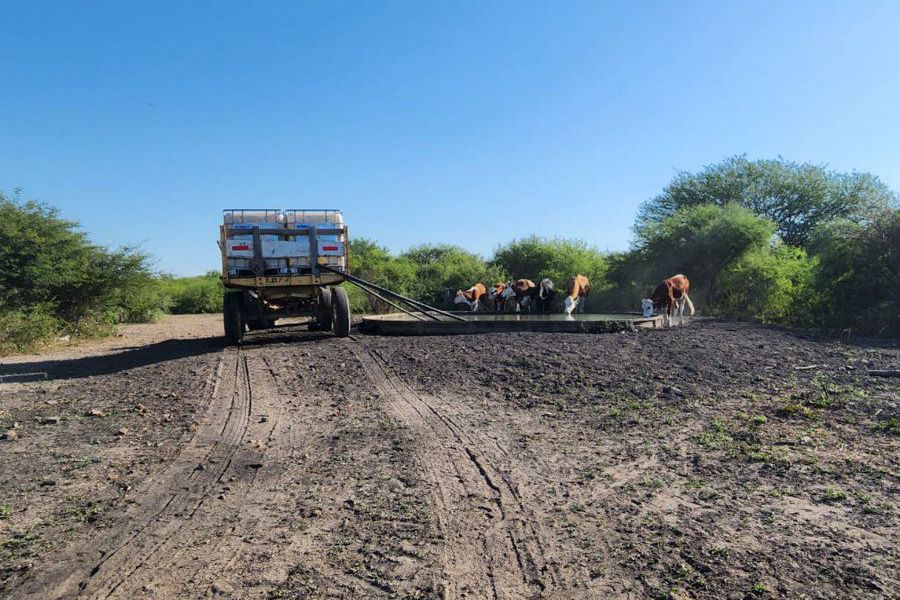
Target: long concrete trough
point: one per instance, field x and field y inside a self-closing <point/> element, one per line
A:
<point x="403" y="324"/>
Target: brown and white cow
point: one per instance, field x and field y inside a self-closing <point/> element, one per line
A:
<point x="471" y="297"/>
<point x="521" y="291"/>
<point x="496" y="295"/>
<point x="577" y="291"/>
<point x="672" y="295"/>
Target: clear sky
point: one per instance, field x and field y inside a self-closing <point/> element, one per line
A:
<point x="463" y="122"/>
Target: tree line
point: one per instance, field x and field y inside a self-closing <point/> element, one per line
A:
<point x="770" y="240"/>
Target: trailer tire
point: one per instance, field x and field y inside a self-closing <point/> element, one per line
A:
<point x="341" y="312"/>
<point x="325" y="318"/>
<point x="233" y="317"/>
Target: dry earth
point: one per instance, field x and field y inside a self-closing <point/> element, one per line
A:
<point x="718" y="461"/>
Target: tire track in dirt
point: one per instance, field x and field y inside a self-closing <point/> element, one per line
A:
<point x="491" y="539"/>
<point x="98" y="568"/>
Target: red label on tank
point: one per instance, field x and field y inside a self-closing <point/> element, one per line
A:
<point x="241" y="247"/>
<point x="329" y="248"/>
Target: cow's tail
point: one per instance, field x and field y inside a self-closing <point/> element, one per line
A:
<point x="690" y="304"/>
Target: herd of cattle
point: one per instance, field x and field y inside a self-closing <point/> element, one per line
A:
<point x="669" y="298"/>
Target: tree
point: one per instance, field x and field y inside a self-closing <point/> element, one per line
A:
<point x="701" y="242"/>
<point x="857" y="277"/>
<point x="797" y="197"/>
<point x="535" y="258"/>
<point x="442" y="269"/>
<point x="771" y="284"/>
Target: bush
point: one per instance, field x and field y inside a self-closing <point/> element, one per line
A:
<point x="26" y="329"/>
<point x="857" y="276"/>
<point x="54" y="278"/>
<point x="558" y="259"/>
<point x="772" y="285"/>
<point x="192" y="295"/>
<point x="702" y="242"/>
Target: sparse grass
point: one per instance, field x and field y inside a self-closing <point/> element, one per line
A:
<point x="5" y="511"/>
<point x="759" y="420"/>
<point x="796" y="409"/>
<point x="718" y="436"/>
<point x="759" y="588"/>
<point x="86" y="512"/>
<point x="891" y="425"/>
<point x="832" y="494"/>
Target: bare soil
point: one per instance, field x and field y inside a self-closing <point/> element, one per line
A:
<point x="720" y="460"/>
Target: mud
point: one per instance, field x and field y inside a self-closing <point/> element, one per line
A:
<point x="716" y="461"/>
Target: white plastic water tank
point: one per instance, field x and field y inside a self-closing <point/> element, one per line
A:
<point x="313" y="216"/>
<point x="239" y="215"/>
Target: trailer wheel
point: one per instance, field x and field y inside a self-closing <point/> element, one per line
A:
<point x="325" y="311"/>
<point x="233" y="317"/>
<point x="341" y="312"/>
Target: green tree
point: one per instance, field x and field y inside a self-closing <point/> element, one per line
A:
<point x="53" y="277"/>
<point x="771" y="284"/>
<point x="858" y="275"/>
<point x="558" y="259"/>
<point x="443" y="269"/>
<point x="701" y="242"/>
<point x="797" y="197"/>
<point x="374" y="263"/>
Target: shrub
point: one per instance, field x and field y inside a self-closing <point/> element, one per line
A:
<point x="772" y="285"/>
<point x="191" y="295"/>
<point x="52" y="278"/>
<point x="857" y="276"/>
<point x="535" y="258"/>
<point x="26" y="329"/>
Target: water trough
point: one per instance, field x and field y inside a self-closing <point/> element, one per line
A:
<point x="403" y="324"/>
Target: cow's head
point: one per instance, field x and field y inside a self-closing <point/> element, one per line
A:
<point x="508" y="291"/>
<point x="460" y="298"/>
<point x="647" y="307"/>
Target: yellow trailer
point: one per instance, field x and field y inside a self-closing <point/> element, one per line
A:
<point x="284" y="263"/>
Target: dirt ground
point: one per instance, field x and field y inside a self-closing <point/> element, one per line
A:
<point x="720" y="460"/>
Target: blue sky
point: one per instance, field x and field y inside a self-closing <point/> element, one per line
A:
<point x="465" y="122"/>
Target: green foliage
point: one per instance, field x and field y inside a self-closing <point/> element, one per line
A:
<point x="858" y="275"/>
<point x="443" y="269"/>
<point x="702" y="242"/>
<point x="22" y="329"/>
<point x="535" y="258"/>
<point x="53" y="280"/>
<point x="376" y="264"/>
<point x="772" y="285"/>
<point x="191" y="295"/>
<point x="796" y="197"/>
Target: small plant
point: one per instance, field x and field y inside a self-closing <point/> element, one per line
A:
<point x="759" y="588"/>
<point x="797" y="409"/>
<point x="833" y="494"/>
<point x="5" y="512"/>
<point x="891" y="425"/>
<point x="759" y="420"/>
<point x="719" y="437"/>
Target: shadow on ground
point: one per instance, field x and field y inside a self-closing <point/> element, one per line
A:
<point x="160" y="352"/>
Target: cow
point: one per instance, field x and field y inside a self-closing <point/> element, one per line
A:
<point x="671" y="294"/>
<point x="471" y="297"/>
<point x="495" y="295"/>
<point x="546" y="293"/>
<point x="577" y="290"/>
<point x="521" y="293"/>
